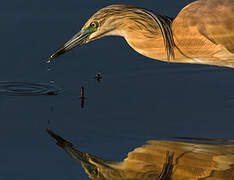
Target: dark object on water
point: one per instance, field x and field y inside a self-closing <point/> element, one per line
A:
<point x="82" y="92"/>
<point x="52" y="93"/>
<point x="98" y="77"/>
<point x="82" y="97"/>
<point x="82" y="102"/>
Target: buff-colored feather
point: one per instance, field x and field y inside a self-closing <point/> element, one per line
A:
<point x="202" y="32"/>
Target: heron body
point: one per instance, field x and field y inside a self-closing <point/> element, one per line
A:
<point x="202" y="32"/>
<point x="160" y="160"/>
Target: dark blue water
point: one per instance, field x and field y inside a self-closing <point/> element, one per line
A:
<point x="138" y="98"/>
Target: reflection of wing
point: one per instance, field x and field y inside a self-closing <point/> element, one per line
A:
<point x="205" y="26"/>
<point x="166" y="172"/>
<point x="191" y="161"/>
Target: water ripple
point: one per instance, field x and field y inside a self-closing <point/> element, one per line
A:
<point x="10" y="88"/>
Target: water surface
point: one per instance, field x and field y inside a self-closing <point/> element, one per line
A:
<point x="138" y="98"/>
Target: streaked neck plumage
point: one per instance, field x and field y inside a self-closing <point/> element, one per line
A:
<point x="160" y="37"/>
<point x="163" y="38"/>
<point x="147" y="33"/>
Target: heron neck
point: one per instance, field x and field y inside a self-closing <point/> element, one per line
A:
<point x="147" y="33"/>
<point x="147" y="44"/>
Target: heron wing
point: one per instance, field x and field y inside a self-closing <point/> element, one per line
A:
<point x="192" y="161"/>
<point x="204" y="24"/>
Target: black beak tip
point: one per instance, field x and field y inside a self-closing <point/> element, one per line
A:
<point x="56" y="54"/>
<point x="49" y="59"/>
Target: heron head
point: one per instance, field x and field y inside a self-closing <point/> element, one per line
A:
<point x="99" y="25"/>
<point x="99" y="169"/>
<point x="133" y="23"/>
<point x="92" y="171"/>
<point x="96" y="168"/>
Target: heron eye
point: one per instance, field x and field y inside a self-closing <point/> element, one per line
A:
<point x="95" y="172"/>
<point x="94" y="24"/>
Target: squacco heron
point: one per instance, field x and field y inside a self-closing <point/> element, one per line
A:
<point x="202" y="32"/>
<point x="160" y="160"/>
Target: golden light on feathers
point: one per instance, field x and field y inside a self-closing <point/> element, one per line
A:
<point x="202" y="32"/>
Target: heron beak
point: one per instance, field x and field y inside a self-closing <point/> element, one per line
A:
<point x="88" y="161"/>
<point x="77" y="39"/>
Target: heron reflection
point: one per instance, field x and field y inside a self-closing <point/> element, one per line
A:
<point x="160" y="160"/>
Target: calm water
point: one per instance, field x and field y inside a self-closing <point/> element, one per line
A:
<point x="137" y="99"/>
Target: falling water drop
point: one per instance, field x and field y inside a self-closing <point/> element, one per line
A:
<point x="49" y="68"/>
